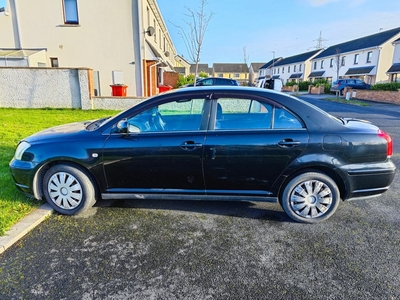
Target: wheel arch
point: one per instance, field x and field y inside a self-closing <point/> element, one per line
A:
<point x="39" y="175"/>
<point x="335" y="176"/>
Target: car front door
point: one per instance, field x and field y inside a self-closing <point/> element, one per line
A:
<point x="161" y="152"/>
<point x="360" y="84"/>
<point x="251" y="144"/>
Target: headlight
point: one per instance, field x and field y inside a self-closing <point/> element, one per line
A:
<point x="20" y="150"/>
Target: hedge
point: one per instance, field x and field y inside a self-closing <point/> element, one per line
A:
<point x="392" y="86"/>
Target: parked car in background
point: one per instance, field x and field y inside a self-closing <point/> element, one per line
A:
<point x="340" y="84"/>
<point x="214" y="81"/>
<point x="210" y="143"/>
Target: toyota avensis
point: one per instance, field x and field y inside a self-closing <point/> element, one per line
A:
<point x="210" y="143"/>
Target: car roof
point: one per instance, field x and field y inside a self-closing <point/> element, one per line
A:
<point x="216" y="78"/>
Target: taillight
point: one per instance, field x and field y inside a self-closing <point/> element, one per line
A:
<point x="389" y="140"/>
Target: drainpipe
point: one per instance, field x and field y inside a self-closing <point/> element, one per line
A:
<point x="15" y="23"/>
<point x="377" y="63"/>
<point x="138" y="46"/>
<point x="151" y="83"/>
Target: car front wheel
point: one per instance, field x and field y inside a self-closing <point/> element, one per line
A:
<point x="310" y="197"/>
<point x="68" y="189"/>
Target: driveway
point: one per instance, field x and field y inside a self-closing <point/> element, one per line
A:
<point x="215" y="250"/>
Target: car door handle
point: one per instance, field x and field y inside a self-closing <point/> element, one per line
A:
<point x="190" y="145"/>
<point x="288" y="143"/>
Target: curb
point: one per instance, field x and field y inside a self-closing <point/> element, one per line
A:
<point x="25" y="225"/>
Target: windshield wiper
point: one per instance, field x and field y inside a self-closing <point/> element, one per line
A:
<point x="96" y="124"/>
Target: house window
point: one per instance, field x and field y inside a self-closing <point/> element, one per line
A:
<point x="283" y="70"/>
<point x="356" y="57"/>
<point x="315" y="65"/>
<point x="54" y="62"/>
<point x="300" y="68"/>
<point x="331" y="63"/>
<point x="343" y="61"/>
<point x="236" y="75"/>
<point x="71" y="12"/>
<point x="369" y="56"/>
<point x="288" y="69"/>
<point x="220" y="75"/>
<point x="322" y="64"/>
<point x="294" y="68"/>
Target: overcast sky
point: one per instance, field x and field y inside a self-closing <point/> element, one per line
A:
<point x="286" y="27"/>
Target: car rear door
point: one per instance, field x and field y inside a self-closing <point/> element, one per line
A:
<point x="249" y="145"/>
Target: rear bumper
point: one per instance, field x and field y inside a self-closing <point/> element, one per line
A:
<point x="370" y="180"/>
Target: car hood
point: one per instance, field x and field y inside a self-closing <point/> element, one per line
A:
<point x="63" y="131"/>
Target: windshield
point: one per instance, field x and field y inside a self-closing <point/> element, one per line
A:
<point x="96" y="124"/>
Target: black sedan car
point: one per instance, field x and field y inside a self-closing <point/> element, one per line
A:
<point x="214" y="81"/>
<point x="210" y="143"/>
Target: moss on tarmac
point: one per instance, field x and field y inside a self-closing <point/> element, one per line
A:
<point x="205" y="250"/>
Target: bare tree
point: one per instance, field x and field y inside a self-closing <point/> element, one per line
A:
<point x="337" y="64"/>
<point x="194" y="35"/>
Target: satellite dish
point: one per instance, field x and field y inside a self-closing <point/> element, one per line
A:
<point x="150" y="31"/>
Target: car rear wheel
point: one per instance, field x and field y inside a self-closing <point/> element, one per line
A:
<point x="68" y="189"/>
<point x="310" y="197"/>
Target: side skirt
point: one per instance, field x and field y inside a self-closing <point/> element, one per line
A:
<point x="141" y="196"/>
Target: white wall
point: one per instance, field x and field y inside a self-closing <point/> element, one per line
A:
<point x="56" y="88"/>
<point x="44" y="87"/>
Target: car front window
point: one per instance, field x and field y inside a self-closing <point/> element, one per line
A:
<point x="207" y="82"/>
<point x="183" y="115"/>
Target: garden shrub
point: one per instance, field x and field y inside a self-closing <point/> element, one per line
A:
<point x="303" y="85"/>
<point x="182" y="80"/>
<point x="391" y="86"/>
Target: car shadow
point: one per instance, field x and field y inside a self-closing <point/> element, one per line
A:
<point x="241" y="209"/>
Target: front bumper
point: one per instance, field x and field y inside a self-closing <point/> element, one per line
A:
<point x="23" y="173"/>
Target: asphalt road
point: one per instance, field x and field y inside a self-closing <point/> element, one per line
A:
<point x="215" y="250"/>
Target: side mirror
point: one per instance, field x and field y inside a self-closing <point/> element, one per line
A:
<point x="123" y="126"/>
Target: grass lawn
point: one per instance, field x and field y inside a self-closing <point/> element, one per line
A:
<point x="343" y="100"/>
<point x="15" y="125"/>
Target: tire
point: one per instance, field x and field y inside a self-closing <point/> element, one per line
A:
<point x="310" y="197"/>
<point x="341" y="92"/>
<point x="68" y="189"/>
